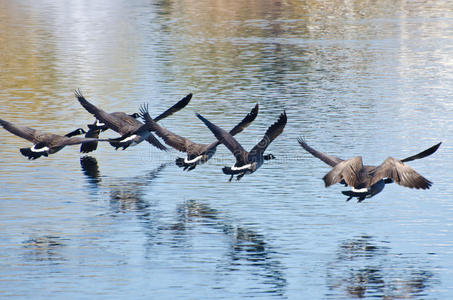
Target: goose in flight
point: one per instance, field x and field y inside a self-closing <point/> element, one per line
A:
<point x="45" y="143"/>
<point x="131" y="130"/>
<point x="197" y="153"/>
<point x="367" y="181"/>
<point x="246" y="162"/>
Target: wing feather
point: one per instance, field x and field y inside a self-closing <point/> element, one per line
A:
<point x="271" y="134"/>
<point x="400" y="173"/>
<point x="21" y="131"/>
<point x="350" y="170"/>
<point x="227" y="139"/>
<point x="177" y="107"/>
<point x="328" y="159"/>
<point x="110" y="120"/>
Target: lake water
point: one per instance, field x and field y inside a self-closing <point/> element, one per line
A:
<point x="371" y="78"/>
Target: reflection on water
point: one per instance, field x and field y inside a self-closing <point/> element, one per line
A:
<point x="248" y="249"/>
<point x="354" y="77"/>
<point x="125" y="193"/>
<point x="91" y="169"/>
<point x="366" y="268"/>
<point x="44" y="249"/>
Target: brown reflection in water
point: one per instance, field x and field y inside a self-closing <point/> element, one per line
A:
<point x="49" y="48"/>
<point x="366" y="268"/>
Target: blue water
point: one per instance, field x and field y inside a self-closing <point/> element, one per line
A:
<point x="355" y="78"/>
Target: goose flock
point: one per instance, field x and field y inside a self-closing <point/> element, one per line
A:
<point x="365" y="181"/>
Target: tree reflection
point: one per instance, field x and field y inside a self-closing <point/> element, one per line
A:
<point x="366" y="268"/>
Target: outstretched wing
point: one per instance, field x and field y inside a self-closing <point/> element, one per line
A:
<point x="144" y="113"/>
<point x="21" y="131"/>
<point x="80" y="140"/>
<point x="400" y="173"/>
<point x="349" y="170"/>
<point x="227" y="139"/>
<point x="177" y="107"/>
<point x="271" y="134"/>
<point x="422" y="154"/>
<point x="328" y="159"/>
<point x="173" y="140"/>
<point x="249" y="118"/>
<point x="111" y="121"/>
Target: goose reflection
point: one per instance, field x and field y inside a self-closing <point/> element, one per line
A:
<point x="90" y="168"/>
<point x="248" y="249"/>
<point x="128" y="193"/>
<point x="125" y="193"/>
<point x="44" y="249"/>
<point x="365" y="268"/>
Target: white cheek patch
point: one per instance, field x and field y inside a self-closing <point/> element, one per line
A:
<point x="98" y="123"/>
<point x="248" y="166"/>
<point x="129" y="138"/>
<point x="43" y="149"/>
<point x="192" y="160"/>
<point x="364" y="190"/>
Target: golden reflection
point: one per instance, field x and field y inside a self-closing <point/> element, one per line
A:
<point x="110" y="48"/>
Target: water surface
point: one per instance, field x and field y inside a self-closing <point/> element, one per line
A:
<point x="355" y="78"/>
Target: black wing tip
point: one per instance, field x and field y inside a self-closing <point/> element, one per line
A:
<point x="432" y="149"/>
<point x="200" y="117"/>
<point x="183" y="102"/>
<point x="144" y="109"/>
<point x="254" y="112"/>
<point x="423" y="154"/>
<point x="205" y="121"/>
<point x="256" y="108"/>
<point x="282" y="119"/>
<point x="426" y="184"/>
<point x="3" y="122"/>
<point x="283" y="116"/>
<point x="187" y="98"/>
<point x="251" y="116"/>
<point x="78" y="93"/>
<point x="436" y="146"/>
<point x="301" y="141"/>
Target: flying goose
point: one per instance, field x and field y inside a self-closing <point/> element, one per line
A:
<point x="197" y="153"/>
<point x="131" y="130"/>
<point x="93" y="132"/>
<point x="45" y="143"/>
<point x="246" y="162"/>
<point x="367" y="181"/>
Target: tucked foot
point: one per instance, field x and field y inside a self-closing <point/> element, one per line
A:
<point x="240" y="176"/>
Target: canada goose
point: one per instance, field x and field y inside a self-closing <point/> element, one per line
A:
<point x="197" y="153"/>
<point x="45" y="143"/>
<point x="367" y="181"/>
<point x="131" y="130"/>
<point x="93" y="132"/>
<point x="247" y="162"/>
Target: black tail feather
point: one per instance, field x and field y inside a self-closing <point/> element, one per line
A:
<point x="360" y="196"/>
<point x="31" y="154"/>
<point x="123" y="145"/>
<point x="182" y="164"/>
